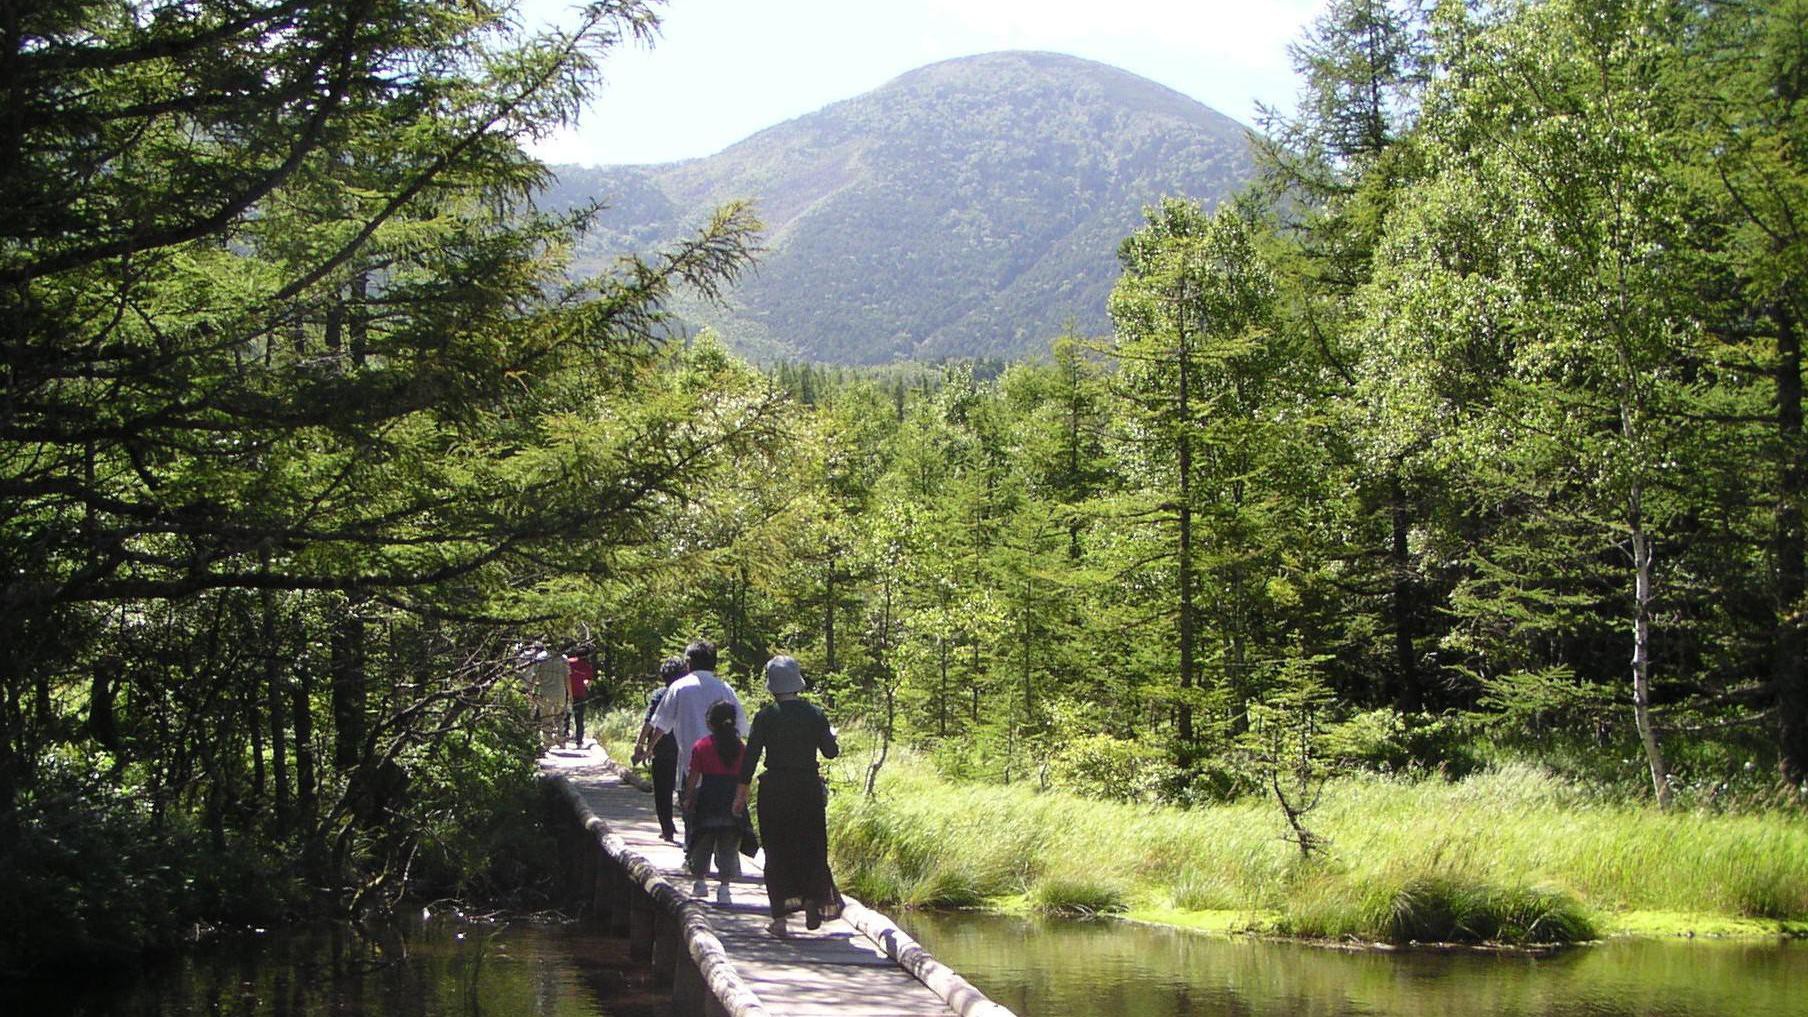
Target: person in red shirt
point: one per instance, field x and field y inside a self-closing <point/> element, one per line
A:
<point x="709" y="791"/>
<point x="581" y="673"/>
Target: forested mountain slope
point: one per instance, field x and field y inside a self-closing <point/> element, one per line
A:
<point x="969" y="208"/>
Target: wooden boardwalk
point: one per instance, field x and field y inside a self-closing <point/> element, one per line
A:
<point x="858" y="966"/>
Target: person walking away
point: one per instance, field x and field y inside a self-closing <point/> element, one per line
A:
<point x="662" y="750"/>
<point x="684" y="709"/>
<point x="793" y="804"/>
<point x="581" y="673"/>
<point x="709" y="792"/>
<point x="551" y="677"/>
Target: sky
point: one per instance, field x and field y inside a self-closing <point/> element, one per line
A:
<point x="722" y="69"/>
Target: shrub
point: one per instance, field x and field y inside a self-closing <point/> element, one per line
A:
<point x="1114" y="769"/>
<point x="93" y="875"/>
<point x="1388" y="741"/>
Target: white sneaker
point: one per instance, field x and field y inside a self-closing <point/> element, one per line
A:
<point x="700" y="888"/>
<point x="722" y="896"/>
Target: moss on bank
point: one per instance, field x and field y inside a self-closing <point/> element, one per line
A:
<point x="1512" y="856"/>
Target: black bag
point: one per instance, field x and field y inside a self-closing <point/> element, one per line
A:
<point x="750" y="840"/>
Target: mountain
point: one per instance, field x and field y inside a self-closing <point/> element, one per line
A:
<point x="969" y="208"/>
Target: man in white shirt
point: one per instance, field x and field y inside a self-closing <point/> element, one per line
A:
<point x="684" y="710"/>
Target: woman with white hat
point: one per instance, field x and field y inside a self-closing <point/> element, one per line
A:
<point x="793" y="819"/>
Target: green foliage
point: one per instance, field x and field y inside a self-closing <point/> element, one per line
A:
<point x="303" y="425"/>
<point x="96" y="876"/>
<point x="1387" y="741"/>
<point x="1384" y="475"/>
<point x="1100" y="766"/>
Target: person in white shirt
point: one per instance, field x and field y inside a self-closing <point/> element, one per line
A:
<point x="684" y="710"/>
<point x="550" y="675"/>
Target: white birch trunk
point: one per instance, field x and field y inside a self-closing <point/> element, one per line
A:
<point x="1641" y="651"/>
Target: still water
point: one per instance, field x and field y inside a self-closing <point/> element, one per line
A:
<point x="441" y="969"/>
<point x="1037" y="968"/>
<point x="1064" y="968"/>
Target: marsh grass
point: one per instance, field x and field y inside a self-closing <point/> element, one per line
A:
<point x="1511" y="855"/>
<point x="1078" y="894"/>
<point x="1437" y="908"/>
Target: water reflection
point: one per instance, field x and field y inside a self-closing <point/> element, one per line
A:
<point x="443" y="969"/>
<point x="1054" y="968"/>
<point x="1037" y="968"/>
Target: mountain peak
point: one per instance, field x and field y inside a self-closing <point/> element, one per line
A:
<point x="1060" y="70"/>
<point x="971" y="207"/>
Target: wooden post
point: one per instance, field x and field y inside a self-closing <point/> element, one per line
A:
<point x="622" y="894"/>
<point x="688" y="990"/>
<point x="564" y="840"/>
<point x="640" y="929"/>
<point x="601" y="905"/>
<point x="589" y="875"/>
<point x="668" y="943"/>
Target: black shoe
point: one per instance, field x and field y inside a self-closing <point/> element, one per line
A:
<point x="670" y="835"/>
<point x="812" y="919"/>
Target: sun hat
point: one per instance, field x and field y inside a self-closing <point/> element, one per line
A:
<point x="783" y="675"/>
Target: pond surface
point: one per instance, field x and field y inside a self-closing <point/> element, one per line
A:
<point x="1065" y="968"/>
<point x="1039" y="968"/>
<point x="441" y="969"/>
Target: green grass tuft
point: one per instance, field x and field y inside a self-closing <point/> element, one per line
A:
<point x="1077" y="895"/>
<point x="946" y="888"/>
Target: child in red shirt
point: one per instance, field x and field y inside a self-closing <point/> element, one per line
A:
<point x="709" y="790"/>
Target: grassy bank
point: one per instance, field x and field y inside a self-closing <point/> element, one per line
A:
<point x="1512" y="855"/>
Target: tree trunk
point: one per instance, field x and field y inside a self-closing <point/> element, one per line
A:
<point x="1407" y="698"/>
<point x="307" y="799"/>
<point x="348" y="687"/>
<point x="828" y="624"/>
<point x="1028" y="702"/>
<point x="1184" y="560"/>
<point x="103" y="726"/>
<point x="973" y="711"/>
<point x="941" y="699"/>
<point x="890" y="680"/>
<point x="276" y="693"/>
<point x="1787" y="675"/>
<point x="254" y="725"/>
<point x="1641" y="651"/>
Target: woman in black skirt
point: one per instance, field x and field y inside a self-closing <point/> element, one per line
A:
<point x="793" y="824"/>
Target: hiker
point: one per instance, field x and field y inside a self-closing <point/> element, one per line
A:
<point x="549" y="680"/>
<point x="793" y="800"/>
<point x="662" y="750"/>
<point x="709" y="790"/>
<point x="581" y="673"/>
<point x="683" y="711"/>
